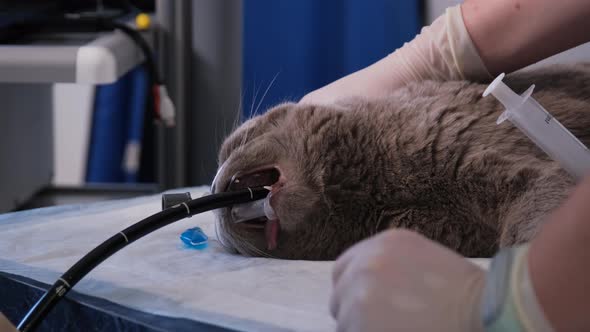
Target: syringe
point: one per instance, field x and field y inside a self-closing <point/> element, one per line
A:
<point x="542" y="128"/>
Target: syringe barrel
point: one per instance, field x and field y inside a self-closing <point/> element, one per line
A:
<point x="552" y="137"/>
<point x="542" y="128"/>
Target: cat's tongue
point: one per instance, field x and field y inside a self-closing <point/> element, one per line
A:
<point x="271" y="230"/>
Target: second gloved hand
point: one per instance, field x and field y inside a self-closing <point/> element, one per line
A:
<point x="401" y="281"/>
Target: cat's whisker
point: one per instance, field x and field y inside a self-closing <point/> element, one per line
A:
<point x="244" y="139"/>
<point x="238" y="242"/>
<point x="266" y="91"/>
<point x="258" y="251"/>
<point x="255" y="94"/>
<point x="236" y="121"/>
<point x="252" y="111"/>
<point x="249" y="247"/>
<point x="246" y="246"/>
<point x="219" y="224"/>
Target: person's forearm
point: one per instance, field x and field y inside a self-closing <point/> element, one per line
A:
<point x="511" y="34"/>
<point x="442" y="51"/>
<point x="559" y="263"/>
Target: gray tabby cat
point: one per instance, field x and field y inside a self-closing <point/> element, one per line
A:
<point x="429" y="157"/>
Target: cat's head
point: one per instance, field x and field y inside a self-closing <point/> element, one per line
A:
<point x="318" y="161"/>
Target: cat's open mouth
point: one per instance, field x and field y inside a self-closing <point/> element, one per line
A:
<point x="249" y="218"/>
<point x="258" y="178"/>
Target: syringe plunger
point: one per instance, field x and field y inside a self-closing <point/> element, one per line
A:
<point x="544" y="130"/>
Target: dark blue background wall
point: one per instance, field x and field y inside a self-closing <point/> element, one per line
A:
<point x="306" y="44"/>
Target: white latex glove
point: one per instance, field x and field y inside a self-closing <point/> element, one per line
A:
<point x="442" y="51"/>
<point x="401" y="281"/>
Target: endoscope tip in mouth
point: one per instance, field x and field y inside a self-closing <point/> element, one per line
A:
<point x="257" y="215"/>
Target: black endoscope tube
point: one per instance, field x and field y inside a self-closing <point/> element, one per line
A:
<point x="127" y="236"/>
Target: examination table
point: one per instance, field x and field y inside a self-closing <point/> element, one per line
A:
<point x="155" y="284"/>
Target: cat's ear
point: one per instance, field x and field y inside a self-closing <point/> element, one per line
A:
<point x="253" y="128"/>
<point x="278" y="113"/>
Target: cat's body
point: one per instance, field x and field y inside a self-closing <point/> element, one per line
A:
<point x="430" y="157"/>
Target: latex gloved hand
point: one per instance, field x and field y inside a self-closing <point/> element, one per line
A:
<point x="442" y="51"/>
<point x="401" y="281"/>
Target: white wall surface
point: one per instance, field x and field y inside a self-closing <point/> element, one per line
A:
<point x="72" y="112"/>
